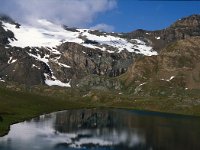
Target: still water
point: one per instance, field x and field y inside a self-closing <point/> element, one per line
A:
<point x="104" y="129"/>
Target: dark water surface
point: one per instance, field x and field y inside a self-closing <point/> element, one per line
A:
<point x="104" y="129"/>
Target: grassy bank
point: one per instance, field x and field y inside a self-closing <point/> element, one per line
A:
<point x="19" y="106"/>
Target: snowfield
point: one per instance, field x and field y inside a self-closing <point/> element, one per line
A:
<point x="47" y="34"/>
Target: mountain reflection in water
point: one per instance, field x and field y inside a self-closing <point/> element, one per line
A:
<point x="104" y="129"/>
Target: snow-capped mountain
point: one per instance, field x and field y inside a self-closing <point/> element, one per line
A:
<point x="56" y="55"/>
<point x="45" y="42"/>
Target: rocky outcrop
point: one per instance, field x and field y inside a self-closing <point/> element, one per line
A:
<point x="5" y="35"/>
<point x="18" y="65"/>
<point x="177" y="67"/>
<point x="85" y="61"/>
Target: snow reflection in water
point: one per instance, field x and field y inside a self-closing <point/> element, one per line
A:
<point x="102" y="129"/>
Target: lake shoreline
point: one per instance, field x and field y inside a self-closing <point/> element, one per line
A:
<point x="106" y="128"/>
<point x="149" y="112"/>
<point x="17" y="107"/>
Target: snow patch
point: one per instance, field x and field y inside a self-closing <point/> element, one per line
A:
<point x="34" y="66"/>
<point x="172" y="77"/>
<point x="11" y="60"/>
<point x="54" y="51"/>
<point x="94" y="141"/>
<point x="142" y="84"/>
<point x="52" y="82"/>
<point x="119" y="43"/>
<point x="63" y="65"/>
<point x="1" y="80"/>
<point x="38" y="57"/>
<point x="55" y="60"/>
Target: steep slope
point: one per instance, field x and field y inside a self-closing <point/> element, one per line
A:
<point x="177" y="67"/>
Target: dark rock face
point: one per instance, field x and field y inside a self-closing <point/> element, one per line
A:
<point x="82" y="61"/>
<point x="96" y="61"/>
<point x="16" y="66"/>
<point x="5" y="35"/>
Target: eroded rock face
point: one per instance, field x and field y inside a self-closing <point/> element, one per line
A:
<point x="95" y="61"/>
<point x="18" y="65"/>
<point x="177" y="66"/>
<point x="85" y="62"/>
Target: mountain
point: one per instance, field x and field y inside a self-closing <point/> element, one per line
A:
<point x="176" y="67"/>
<point x="140" y="62"/>
<point x="183" y="28"/>
<point x="56" y="55"/>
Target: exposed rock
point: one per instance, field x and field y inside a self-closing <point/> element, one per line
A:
<point x="177" y="66"/>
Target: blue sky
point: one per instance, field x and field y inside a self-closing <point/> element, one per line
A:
<point x="151" y="15"/>
<point x="109" y="15"/>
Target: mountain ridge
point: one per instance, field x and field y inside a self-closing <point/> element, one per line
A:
<point x="163" y="37"/>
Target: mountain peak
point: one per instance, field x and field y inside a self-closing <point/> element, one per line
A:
<point x="192" y="21"/>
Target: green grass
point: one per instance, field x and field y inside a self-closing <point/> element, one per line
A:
<point x="19" y="106"/>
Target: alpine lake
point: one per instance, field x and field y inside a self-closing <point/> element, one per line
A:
<point x="104" y="129"/>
